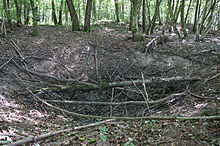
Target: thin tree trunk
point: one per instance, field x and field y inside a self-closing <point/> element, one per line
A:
<point x="34" y="13"/>
<point x="54" y="16"/>
<point x="26" y="12"/>
<point x="7" y="12"/>
<point x="117" y="11"/>
<point x="18" y="11"/>
<point x="156" y="12"/>
<point x="94" y="10"/>
<point x="196" y="15"/>
<point x="122" y="10"/>
<point x="73" y="14"/>
<point x="66" y="14"/>
<point x="60" y="13"/>
<point x="87" y="27"/>
<point x="144" y="16"/>
<point x="183" y="24"/>
<point x="148" y="11"/>
<point x="187" y="12"/>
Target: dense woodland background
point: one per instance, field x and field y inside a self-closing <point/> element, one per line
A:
<point x="200" y="16"/>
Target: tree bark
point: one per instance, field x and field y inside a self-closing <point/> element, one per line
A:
<point x="156" y="13"/>
<point x="196" y="15"/>
<point x="87" y="26"/>
<point x="60" y="13"/>
<point x="34" y="13"/>
<point x="183" y="24"/>
<point x="136" y="6"/>
<point x="7" y="12"/>
<point x="73" y="14"/>
<point x="54" y="16"/>
<point x="18" y="11"/>
<point x="26" y="12"/>
<point x="144" y="16"/>
<point x="117" y="11"/>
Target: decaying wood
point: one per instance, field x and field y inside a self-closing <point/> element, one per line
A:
<point x="44" y="136"/>
<point x="106" y="85"/>
<point x="119" y="118"/>
<point x="118" y="103"/>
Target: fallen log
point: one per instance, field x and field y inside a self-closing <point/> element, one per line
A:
<point x="118" y="103"/>
<point x="106" y="85"/>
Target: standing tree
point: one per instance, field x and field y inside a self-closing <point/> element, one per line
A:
<point x="135" y="11"/>
<point x="183" y="24"/>
<point x="26" y="12"/>
<point x="7" y="12"/>
<point x="73" y="14"/>
<point x="144" y="16"/>
<point x="34" y="13"/>
<point x="117" y="11"/>
<point x="87" y="27"/>
<point x="18" y="11"/>
<point x="60" y="13"/>
<point x="54" y="16"/>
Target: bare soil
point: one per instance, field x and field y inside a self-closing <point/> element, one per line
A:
<point x="109" y="55"/>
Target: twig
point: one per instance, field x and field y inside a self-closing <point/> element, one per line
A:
<point x="96" y="64"/>
<point x="17" y="51"/>
<point x="146" y="94"/>
<point x="5" y="63"/>
<point x="44" y="136"/>
<point x="204" y="97"/>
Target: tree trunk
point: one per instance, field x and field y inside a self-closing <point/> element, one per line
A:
<point x="196" y="15"/>
<point x="144" y="16"/>
<point x="117" y="11"/>
<point x="18" y="11"/>
<point x="34" y="13"/>
<point x="122" y="10"/>
<point x="7" y="12"/>
<point x="54" y="16"/>
<point x="187" y="12"/>
<point x="26" y="12"/>
<point x="66" y="14"/>
<point x="156" y="13"/>
<point x="87" y="27"/>
<point x="73" y="14"/>
<point x="183" y="24"/>
<point x="60" y="13"/>
<point x="136" y="6"/>
<point x="94" y="10"/>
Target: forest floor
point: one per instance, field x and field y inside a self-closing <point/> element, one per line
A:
<point x="108" y="54"/>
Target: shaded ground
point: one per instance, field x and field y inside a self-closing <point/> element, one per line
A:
<point x="109" y="55"/>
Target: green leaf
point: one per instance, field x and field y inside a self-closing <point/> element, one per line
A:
<point x="93" y="140"/>
<point x="81" y="137"/>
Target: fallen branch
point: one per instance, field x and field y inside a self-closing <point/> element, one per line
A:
<point x="49" y="77"/>
<point x="105" y="85"/>
<point x="5" y="63"/>
<point x="118" y="103"/>
<point x="121" y="118"/>
<point x="204" y="97"/>
<point x="44" y="136"/>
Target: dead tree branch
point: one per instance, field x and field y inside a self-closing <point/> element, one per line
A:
<point x="44" y="136"/>
<point x="118" y="103"/>
<point x="105" y="85"/>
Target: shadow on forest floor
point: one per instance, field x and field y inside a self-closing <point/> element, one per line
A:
<point x="108" y="55"/>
